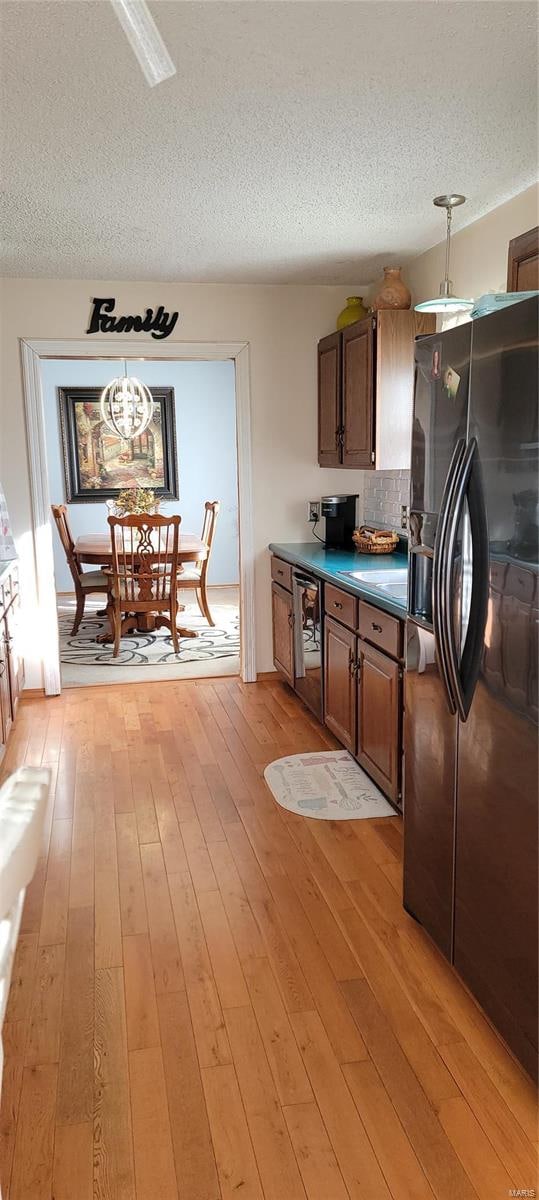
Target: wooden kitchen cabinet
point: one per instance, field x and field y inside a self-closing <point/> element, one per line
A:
<point x="6" y="715"/>
<point x="379" y="704"/>
<point x="358" y="394"/>
<point x="365" y="391"/>
<point x="329" y="400"/>
<point x="283" y="631"/>
<point x="340" y="688"/>
<point x="14" y="659"/>
<point x="363" y="685"/>
<point x="523" y="262"/>
<point x="11" y="666"/>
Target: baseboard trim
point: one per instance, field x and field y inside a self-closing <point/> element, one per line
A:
<point x="32" y="694"/>
<point x="262" y="675"/>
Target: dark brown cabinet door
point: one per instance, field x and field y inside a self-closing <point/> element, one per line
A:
<point x="5" y="696"/>
<point x="15" y="662"/>
<point x="340" y="682"/>
<point x="329" y="400"/>
<point x="378" y="718"/>
<point x="358" y="394"/>
<point x="283" y="631"/>
<point x="523" y="262"/>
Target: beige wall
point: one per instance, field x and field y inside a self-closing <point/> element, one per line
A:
<point x="478" y="252"/>
<point x="282" y="325"/>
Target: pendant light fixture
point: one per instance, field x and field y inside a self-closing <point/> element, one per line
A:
<point x="126" y="406"/>
<point x="446" y="302"/>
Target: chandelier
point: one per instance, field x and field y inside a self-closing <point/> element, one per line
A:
<point x="126" y="406"/>
<point x="446" y="302"/>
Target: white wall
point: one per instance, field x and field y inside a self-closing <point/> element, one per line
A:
<point x="282" y="326"/>
<point x="205" y="406"/>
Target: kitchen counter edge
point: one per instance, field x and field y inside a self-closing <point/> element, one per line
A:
<point x="308" y="556"/>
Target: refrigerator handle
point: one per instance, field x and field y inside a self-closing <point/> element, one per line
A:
<point x="463" y="676"/>
<point x="440" y="555"/>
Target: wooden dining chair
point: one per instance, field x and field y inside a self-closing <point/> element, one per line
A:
<point x="144" y="574"/>
<point x="85" y="582"/>
<point x="195" y="577"/>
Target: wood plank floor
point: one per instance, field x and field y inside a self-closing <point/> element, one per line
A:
<point x="213" y="998"/>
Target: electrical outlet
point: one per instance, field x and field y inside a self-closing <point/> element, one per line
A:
<point x="313" y="510"/>
<point x="404" y="516"/>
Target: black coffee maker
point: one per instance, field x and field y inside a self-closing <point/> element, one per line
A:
<point x="340" y="514"/>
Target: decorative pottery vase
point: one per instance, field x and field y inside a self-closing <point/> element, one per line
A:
<point x="354" y="310"/>
<point x="393" y="292"/>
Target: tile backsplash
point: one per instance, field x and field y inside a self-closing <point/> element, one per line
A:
<point x="384" y="493"/>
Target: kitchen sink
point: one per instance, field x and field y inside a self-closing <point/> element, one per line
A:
<point x="398" y="590"/>
<point x="394" y="581"/>
<point x="378" y="578"/>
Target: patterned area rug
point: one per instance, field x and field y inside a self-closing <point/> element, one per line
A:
<point x="152" y="649"/>
<point x="329" y="786"/>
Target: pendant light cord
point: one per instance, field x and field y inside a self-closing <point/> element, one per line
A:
<point x="448" y="243"/>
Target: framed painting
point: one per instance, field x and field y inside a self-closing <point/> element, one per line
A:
<point x="98" y="463"/>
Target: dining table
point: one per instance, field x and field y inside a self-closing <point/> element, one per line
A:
<point x="96" y="549"/>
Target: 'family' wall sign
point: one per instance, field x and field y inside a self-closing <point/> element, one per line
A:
<point x="159" y="323"/>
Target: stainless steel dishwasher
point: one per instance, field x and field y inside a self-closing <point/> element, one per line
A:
<point x="307" y="595"/>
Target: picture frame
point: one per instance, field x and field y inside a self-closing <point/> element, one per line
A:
<point x="98" y="464"/>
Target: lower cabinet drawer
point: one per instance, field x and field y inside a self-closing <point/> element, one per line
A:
<point x="281" y="572"/>
<point x="341" y="605"/>
<point x="381" y="629"/>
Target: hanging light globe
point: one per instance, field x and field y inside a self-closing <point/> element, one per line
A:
<point x="126" y="406"/>
<point x="446" y="302"/>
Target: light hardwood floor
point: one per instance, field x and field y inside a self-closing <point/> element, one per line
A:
<point x="213" y="998"/>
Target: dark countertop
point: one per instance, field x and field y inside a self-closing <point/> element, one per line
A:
<point x="329" y="563"/>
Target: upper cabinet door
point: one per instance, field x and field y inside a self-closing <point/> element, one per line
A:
<point x="358" y="395"/>
<point x="329" y="401"/>
<point x="523" y="262"/>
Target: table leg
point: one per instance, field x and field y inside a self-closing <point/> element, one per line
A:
<point x="182" y="631"/>
<point x="128" y="624"/>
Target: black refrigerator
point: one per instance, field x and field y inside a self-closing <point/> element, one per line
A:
<point x="471" y="702"/>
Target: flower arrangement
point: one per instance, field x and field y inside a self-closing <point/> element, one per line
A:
<point x="136" y="500"/>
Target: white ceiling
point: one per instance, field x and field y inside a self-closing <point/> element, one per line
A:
<point x="298" y="142"/>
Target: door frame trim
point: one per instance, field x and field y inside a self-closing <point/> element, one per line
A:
<point x="33" y="351"/>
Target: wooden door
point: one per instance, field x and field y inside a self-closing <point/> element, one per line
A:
<point x="329" y="400"/>
<point x="379" y="718"/>
<point x="5" y="695"/>
<point x="340" y="682"/>
<point x="283" y="631"/>
<point x="15" y="661"/>
<point x="358" y="394"/>
<point x="523" y="262"/>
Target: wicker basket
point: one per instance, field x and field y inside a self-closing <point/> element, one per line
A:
<point x="374" y="541"/>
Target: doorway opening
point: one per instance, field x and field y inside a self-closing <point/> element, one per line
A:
<point x="208" y="452"/>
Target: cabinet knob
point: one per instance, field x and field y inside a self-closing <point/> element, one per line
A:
<point x="290" y="619"/>
<point x="337" y="604"/>
<point x="377" y="628"/>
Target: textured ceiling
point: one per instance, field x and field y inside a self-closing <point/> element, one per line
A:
<point x="298" y="142"/>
